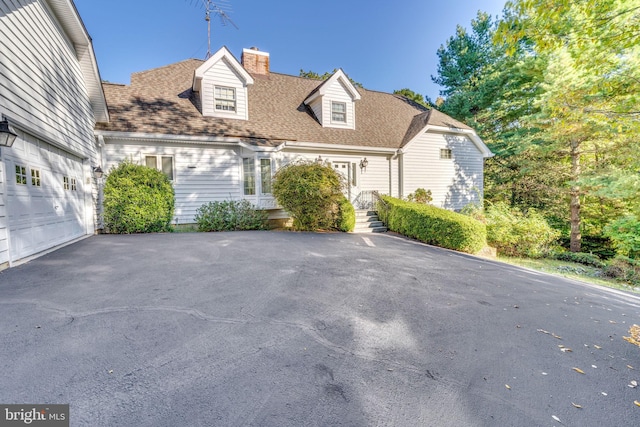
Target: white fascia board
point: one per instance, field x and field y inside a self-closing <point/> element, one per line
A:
<point x="324" y="86"/>
<point x="480" y="145"/>
<point x="223" y="52"/>
<point x="69" y="18"/>
<point x="258" y="149"/>
<point x="334" y="147"/>
<point x="157" y="137"/>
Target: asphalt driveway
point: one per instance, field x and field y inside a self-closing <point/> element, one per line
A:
<point x="293" y="329"/>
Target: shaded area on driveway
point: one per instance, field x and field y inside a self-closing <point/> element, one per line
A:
<point x="289" y="329"/>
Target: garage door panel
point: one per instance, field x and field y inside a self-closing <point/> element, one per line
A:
<point x="47" y="215"/>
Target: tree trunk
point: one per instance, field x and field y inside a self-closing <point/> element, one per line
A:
<point x="575" y="237"/>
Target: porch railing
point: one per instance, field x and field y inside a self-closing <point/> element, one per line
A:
<point x="367" y="200"/>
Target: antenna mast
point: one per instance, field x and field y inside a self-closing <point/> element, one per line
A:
<point x="217" y="9"/>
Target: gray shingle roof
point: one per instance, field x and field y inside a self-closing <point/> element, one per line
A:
<point x="161" y="101"/>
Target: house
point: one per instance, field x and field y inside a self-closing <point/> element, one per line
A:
<point x="50" y="98"/>
<point x="220" y="128"/>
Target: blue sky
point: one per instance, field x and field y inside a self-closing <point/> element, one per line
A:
<point x="384" y="45"/>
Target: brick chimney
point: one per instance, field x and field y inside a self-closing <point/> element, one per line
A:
<point x="255" y="62"/>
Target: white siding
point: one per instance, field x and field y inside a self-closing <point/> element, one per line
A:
<point x="44" y="94"/>
<point x="455" y="182"/>
<point x="4" y="242"/>
<point x="337" y="92"/>
<point x="222" y="74"/>
<point x="394" y="175"/>
<point x="41" y="82"/>
<point x="201" y="174"/>
<point x="316" y="107"/>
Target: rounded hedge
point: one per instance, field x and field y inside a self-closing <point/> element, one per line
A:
<point x="310" y="192"/>
<point x="346" y="215"/>
<point x="137" y="199"/>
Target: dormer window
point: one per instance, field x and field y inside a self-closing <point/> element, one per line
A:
<point x="225" y="98"/>
<point x="338" y="112"/>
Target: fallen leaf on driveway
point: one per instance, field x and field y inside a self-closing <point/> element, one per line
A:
<point x="575" y="405"/>
<point x="578" y="370"/>
<point x="604" y="394"/>
<point x="565" y="349"/>
<point x="636" y="402"/>
<point x="633" y="384"/>
<point x="597" y="346"/>
<point x="634" y="339"/>
<point x="630" y="367"/>
<point x="508" y="386"/>
<point x="556" y="418"/>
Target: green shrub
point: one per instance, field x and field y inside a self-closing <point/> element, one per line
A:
<point x="514" y="233"/>
<point x="137" y="199"/>
<point x="346" y="215"/>
<point x="310" y="192"/>
<point x="580" y="258"/>
<point x="433" y="225"/>
<point x="625" y="269"/>
<point x="625" y="235"/>
<point x="230" y="215"/>
<point x="420" y="196"/>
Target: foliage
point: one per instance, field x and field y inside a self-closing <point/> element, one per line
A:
<point x="514" y="233"/>
<point x="313" y="75"/>
<point x="421" y="196"/>
<point x="625" y="269"/>
<point x="310" y="192"/>
<point x="346" y="220"/>
<point x="580" y="258"/>
<point x="230" y="215"/>
<point x="415" y="97"/>
<point x="625" y="235"/>
<point x="137" y="199"/>
<point x="553" y="89"/>
<point x="433" y="225"/>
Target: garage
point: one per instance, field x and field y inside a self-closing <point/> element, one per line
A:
<point x="45" y="197"/>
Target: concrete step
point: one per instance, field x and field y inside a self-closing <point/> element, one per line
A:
<point x="370" y="230"/>
<point x="367" y="221"/>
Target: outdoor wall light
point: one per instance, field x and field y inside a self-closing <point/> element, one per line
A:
<point x="97" y="172"/>
<point x="7" y="135"/>
<point x="363" y="164"/>
<point x="319" y="160"/>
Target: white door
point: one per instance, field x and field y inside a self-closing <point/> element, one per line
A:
<point x="348" y="171"/>
<point x="45" y="197"/>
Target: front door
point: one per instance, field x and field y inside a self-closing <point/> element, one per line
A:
<point x="344" y="169"/>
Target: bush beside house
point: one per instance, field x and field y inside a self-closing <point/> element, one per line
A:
<point x="230" y="215"/>
<point x="346" y="216"/>
<point x="311" y="193"/>
<point x="433" y="225"/>
<point x="137" y="199"/>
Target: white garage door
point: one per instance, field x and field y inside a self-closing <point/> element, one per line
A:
<point x="45" y="197"/>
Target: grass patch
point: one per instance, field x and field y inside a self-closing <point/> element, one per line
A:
<point x="185" y="228"/>
<point x="571" y="270"/>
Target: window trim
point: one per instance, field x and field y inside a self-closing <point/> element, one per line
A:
<point x="262" y="176"/>
<point x="21" y="174"/>
<point x="343" y="113"/>
<point x="248" y="171"/>
<point x="446" y="154"/>
<point x="234" y="100"/>
<point x="158" y="166"/>
<point x="65" y="183"/>
<point x="36" y="178"/>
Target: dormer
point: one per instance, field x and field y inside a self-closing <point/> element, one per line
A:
<point x="333" y="102"/>
<point x="221" y="83"/>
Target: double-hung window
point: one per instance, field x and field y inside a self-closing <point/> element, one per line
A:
<point x="249" y="175"/>
<point x="225" y="99"/>
<point x="162" y="163"/>
<point x="35" y="177"/>
<point x="338" y="112"/>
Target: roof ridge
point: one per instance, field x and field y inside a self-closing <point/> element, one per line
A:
<point x="166" y="66"/>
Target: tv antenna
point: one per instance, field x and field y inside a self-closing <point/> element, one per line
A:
<point x="221" y="8"/>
